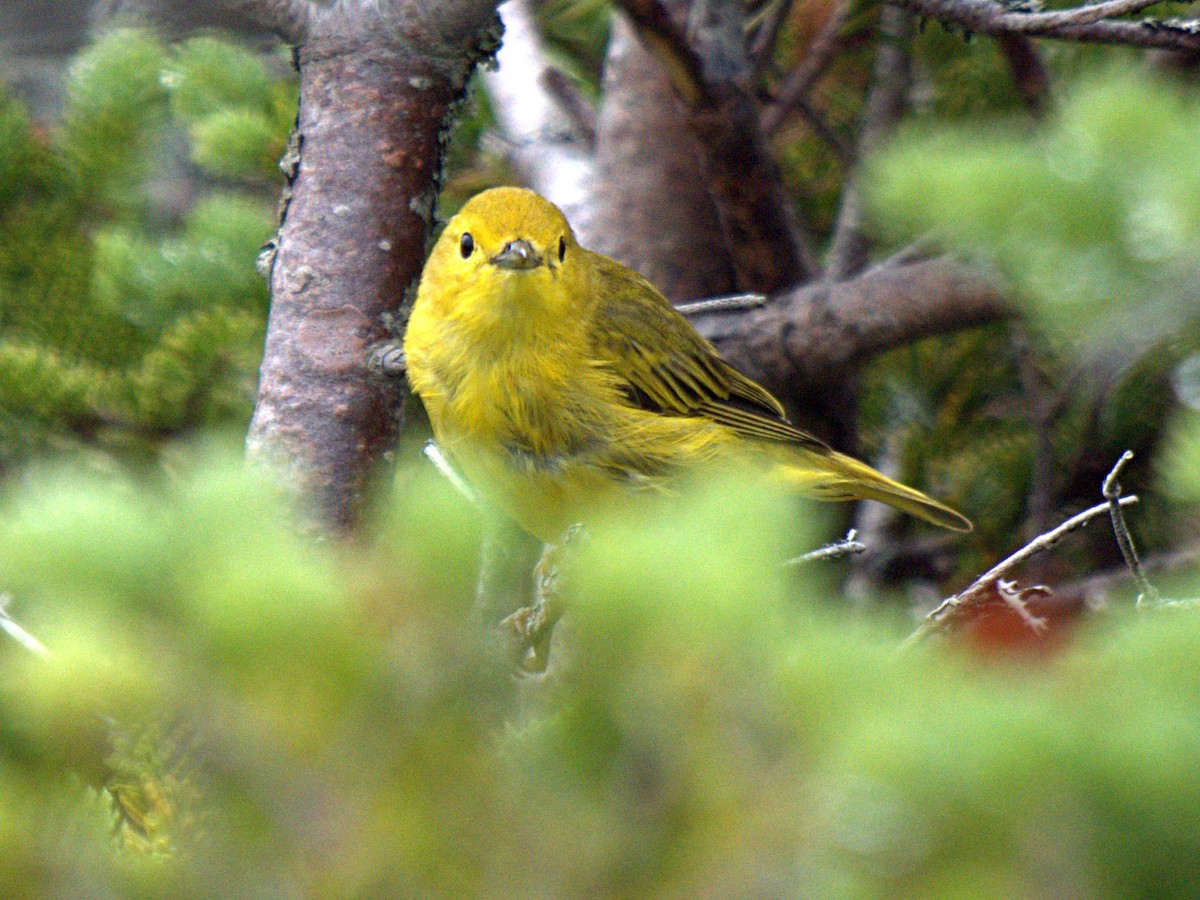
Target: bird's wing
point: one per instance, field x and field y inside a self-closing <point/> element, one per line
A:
<point x="670" y="368"/>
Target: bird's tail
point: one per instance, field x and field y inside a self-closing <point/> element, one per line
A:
<point x="834" y="476"/>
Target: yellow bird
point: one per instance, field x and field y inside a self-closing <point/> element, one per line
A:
<point x="557" y="380"/>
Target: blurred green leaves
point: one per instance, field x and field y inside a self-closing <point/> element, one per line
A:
<point x="1095" y="218"/>
<point x="130" y="309"/>
<point x="265" y="712"/>
<point x="238" y="116"/>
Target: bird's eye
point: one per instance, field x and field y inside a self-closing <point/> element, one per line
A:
<point x="466" y="244"/>
<point x="562" y="249"/>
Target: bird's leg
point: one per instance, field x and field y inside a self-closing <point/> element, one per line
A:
<point x="533" y="626"/>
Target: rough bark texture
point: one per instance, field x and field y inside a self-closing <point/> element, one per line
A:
<point x="377" y="85"/>
<point x="702" y="48"/>
<point x="651" y="206"/>
<point x="808" y="343"/>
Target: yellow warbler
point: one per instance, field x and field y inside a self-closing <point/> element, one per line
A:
<point x="557" y="379"/>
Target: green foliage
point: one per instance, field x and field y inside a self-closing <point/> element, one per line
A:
<point x="115" y="106"/>
<point x="1096" y="219"/>
<point x="237" y="115"/>
<point x="124" y="325"/>
<point x="209" y="75"/>
<point x="232" y="708"/>
<point x="234" y="141"/>
<point x="576" y="32"/>
<point x="1180" y="466"/>
<point x="263" y="712"/>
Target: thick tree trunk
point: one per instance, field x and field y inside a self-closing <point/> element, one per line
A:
<point x="378" y="84"/>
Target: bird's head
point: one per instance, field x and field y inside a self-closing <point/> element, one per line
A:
<point x="507" y="248"/>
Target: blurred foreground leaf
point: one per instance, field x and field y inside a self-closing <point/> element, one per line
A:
<point x="262" y="714"/>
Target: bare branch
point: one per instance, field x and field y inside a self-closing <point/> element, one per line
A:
<point x="1042" y="414"/>
<point x="651" y="205"/>
<point x="989" y="17"/>
<point x="434" y="454"/>
<point x="544" y="144"/>
<point x="767" y="34"/>
<point x="799" y="82"/>
<point x="802" y="342"/>
<point x="722" y="304"/>
<point x="952" y="608"/>
<point x="1098" y="591"/>
<point x="1029" y="73"/>
<point x="1080" y="15"/>
<point x="378" y="83"/>
<point x="290" y="20"/>
<point x="847" y="546"/>
<point x="885" y="104"/>
<point x="9" y="626"/>
<point x="845" y="153"/>
<point x="1111" y="489"/>
<point x="575" y="106"/>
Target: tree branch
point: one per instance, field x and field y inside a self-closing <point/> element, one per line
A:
<point x="885" y="104"/>
<point x="953" y="608"/>
<point x="289" y="20"/>
<point x="1029" y="72"/>
<point x="766" y="34"/>
<point x="1080" y="24"/>
<point x="378" y="85"/>
<point x="10" y="627"/>
<point x="1148" y="595"/>
<point x="805" y="341"/>
<point x="1080" y="15"/>
<point x="799" y="82"/>
<point x="651" y="205"/>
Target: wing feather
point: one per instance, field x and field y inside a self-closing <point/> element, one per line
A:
<point x="670" y="368"/>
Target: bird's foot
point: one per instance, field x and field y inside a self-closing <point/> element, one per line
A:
<point x="532" y="627"/>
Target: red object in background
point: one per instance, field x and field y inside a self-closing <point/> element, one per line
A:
<point x="1019" y="621"/>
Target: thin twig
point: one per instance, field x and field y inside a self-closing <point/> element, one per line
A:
<point x="1097" y="591"/>
<point x="1111" y="489"/>
<point x="16" y="632"/>
<point x="1014" y="599"/>
<point x="885" y="103"/>
<point x="767" y="34"/>
<point x="573" y="104"/>
<point x="1080" y="24"/>
<point x="722" y="304"/>
<point x="434" y="454"/>
<point x="1081" y="15"/>
<point x="799" y="82"/>
<point x="1042" y="416"/>
<point x="847" y="546"/>
<point x="952" y="607"/>
<point x="923" y="248"/>
<point x="845" y="153"/>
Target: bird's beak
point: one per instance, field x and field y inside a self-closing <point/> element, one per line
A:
<point x="518" y="254"/>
